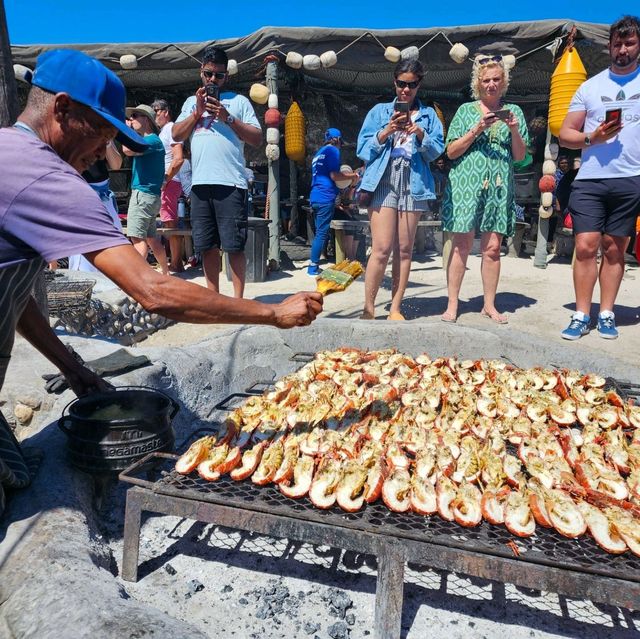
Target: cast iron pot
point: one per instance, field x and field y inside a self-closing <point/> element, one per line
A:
<point x="107" y="432"/>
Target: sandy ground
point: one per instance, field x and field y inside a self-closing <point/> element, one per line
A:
<point x="537" y="301"/>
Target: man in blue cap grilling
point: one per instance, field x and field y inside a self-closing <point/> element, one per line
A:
<point x="75" y="107"/>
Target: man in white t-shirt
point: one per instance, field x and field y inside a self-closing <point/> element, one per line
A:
<point x="604" y="121"/>
<point x="171" y="187"/>
<point x="218" y="124"/>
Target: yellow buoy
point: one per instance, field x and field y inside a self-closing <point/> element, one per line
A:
<point x="567" y="77"/>
<point x="294" y="133"/>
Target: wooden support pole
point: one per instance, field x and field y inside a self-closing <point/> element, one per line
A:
<point x="540" y="257"/>
<point x="273" y="185"/>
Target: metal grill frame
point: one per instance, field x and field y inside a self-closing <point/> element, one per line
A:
<point x="340" y="530"/>
<point x="617" y="583"/>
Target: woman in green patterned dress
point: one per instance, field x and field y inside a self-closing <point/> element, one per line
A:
<point x="484" y="139"/>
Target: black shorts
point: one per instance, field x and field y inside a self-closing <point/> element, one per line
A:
<point x="608" y="205"/>
<point x="219" y="218"/>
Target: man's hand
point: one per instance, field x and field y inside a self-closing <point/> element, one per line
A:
<point x="201" y="102"/>
<point x="606" y="131"/>
<point x="298" y="310"/>
<point x="84" y="381"/>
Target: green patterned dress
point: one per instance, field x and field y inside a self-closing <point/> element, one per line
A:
<point x="480" y="191"/>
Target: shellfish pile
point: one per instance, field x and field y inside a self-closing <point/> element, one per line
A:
<point x="464" y="440"/>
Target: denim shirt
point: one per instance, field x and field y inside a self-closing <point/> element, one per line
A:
<point x="377" y="155"/>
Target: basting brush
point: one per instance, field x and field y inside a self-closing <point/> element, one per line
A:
<point x="338" y="277"/>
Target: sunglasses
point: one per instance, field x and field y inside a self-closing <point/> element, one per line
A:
<point x="133" y="116"/>
<point x="493" y="58"/>
<point x="218" y="75"/>
<point x="401" y="84"/>
<point x="158" y="110"/>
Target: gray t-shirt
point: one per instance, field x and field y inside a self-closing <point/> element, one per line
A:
<point x="217" y="153"/>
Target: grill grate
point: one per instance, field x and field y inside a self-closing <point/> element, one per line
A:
<point x="546" y="547"/>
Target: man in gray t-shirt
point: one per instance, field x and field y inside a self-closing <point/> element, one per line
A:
<point x="218" y="124"/>
<point x="75" y="107"/>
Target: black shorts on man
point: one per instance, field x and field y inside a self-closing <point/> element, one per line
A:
<point x="607" y="205"/>
<point x="219" y="218"/>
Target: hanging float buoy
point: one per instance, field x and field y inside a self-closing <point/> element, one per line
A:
<point x="567" y="77"/>
<point x="294" y="133"/>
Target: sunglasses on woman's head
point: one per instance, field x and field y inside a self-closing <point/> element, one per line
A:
<point x="401" y="84"/>
<point x="493" y="58"/>
<point x="218" y="75"/>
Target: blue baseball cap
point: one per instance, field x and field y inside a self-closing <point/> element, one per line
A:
<point x="89" y="82"/>
<point x="332" y="133"/>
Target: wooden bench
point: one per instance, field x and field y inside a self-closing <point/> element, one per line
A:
<point x="340" y="226"/>
<point x="184" y="232"/>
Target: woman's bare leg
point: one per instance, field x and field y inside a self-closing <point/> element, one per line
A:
<point x="490" y="270"/>
<point x="402" y="252"/>
<point x="461" y="245"/>
<point x="383" y="231"/>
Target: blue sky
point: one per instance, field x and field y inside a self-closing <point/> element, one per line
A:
<point x="88" y="21"/>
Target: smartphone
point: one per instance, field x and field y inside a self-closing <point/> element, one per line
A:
<point x="613" y="115"/>
<point x="503" y="114"/>
<point x="212" y="91"/>
<point x="402" y="107"/>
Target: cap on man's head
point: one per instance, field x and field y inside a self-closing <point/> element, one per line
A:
<point x="147" y="112"/>
<point x="89" y="82"/>
<point x="332" y="133"/>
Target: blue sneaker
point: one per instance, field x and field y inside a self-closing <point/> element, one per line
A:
<point x="607" y="326"/>
<point x="313" y="270"/>
<point x="577" y="328"/>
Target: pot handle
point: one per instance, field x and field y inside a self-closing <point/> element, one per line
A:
<point x="62" y="425"/>
<point x="175" y="407"/>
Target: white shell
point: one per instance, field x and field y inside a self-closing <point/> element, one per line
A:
<point x="328" y="59"/>
<point x="293" y="60"/>
<point x="392" y="54"/>
<point x="343" y="184"/>
<point x="546" y="199"/>
<point x="259" y="93"/>
<point x="128" y="61"/>
<point x="232" y="67"/>
<point x="273" y="101"/>
<point x="273" y="135"/>
<point x="545" y="212"/>
<point x="458" y="52"/>
<point x="410" y="53"/>
<point x="272" y="152"/>
<point x="548" y="167"/>
<point x="311" y="62"/>
<point x="551" y="151"/>
<point x="509" y="61"/>
<point x="22" y="73"/>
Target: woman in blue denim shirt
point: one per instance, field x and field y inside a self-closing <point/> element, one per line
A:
<point x="397" y="147"/>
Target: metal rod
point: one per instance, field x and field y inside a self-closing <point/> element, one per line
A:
<point x="131" y="538"/>
<point x="389" y="592"/>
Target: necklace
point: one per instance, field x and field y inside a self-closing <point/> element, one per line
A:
<point x="493" y="139"/>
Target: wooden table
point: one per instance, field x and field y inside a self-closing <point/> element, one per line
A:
<point x="166" y="232"/>
<point x="340" y="226"/>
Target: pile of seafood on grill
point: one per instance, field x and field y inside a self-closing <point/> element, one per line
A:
<point x="466" y="440"/>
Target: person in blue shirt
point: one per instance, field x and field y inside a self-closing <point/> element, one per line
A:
<point x="325" y="170"/>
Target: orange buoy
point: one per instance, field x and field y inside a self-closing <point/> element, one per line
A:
<point x="567" y="77"/>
